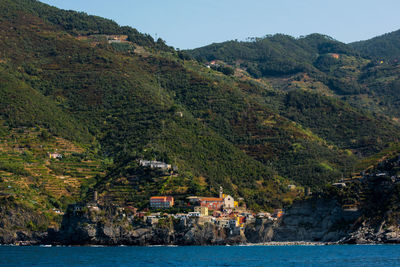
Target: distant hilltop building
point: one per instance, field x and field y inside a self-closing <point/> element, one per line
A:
<point x="117" y="38"/>
<point x="335" y="56"/>
<point x="55" y="155"/>
<point x="155" y="164"/>
<point x="162" y="202"/>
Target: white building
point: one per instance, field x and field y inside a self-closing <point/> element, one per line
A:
<point x="155" y="164"/>
<point x="229" y="202"/>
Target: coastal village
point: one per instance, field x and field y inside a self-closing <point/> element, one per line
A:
<point x="222" y="211"/>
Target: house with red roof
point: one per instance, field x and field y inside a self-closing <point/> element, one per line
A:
<point x="212" y="203"/>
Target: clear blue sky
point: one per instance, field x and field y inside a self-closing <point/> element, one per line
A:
<point x="194" y="23"/>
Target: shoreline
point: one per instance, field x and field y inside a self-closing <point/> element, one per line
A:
<point x="266" y="244"/>
<point x="293" y="243"/>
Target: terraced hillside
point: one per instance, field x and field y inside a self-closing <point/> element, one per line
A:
<point x="263" y="122"/>
<point x="117" y="103"/>
<point x="31" y="180"/>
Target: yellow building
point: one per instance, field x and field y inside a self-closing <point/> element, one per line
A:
<point x="202" y="210"/>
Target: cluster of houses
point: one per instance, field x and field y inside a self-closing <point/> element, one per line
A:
<point x="222" y="211"/>
<point x="233" y="219"/>
<point x="213" y="203"/>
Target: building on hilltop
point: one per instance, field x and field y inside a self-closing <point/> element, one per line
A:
<point x="55" y="155"/>
<point x="155" y="164"/>
<point x="335" y="56"/>
<point x="162" y="202"/>
<point x="117" y="38"/>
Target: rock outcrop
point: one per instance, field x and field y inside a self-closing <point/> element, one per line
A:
<point x="312" y="220"/>
<point x="373" y="233"/>
<point x="19" y="225"/>
<point x="109" y="227"/>
<point x="315" y="220"/>
<point x="261" y="231"/>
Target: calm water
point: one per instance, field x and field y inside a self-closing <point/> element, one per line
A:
<point x="373" y="255"/>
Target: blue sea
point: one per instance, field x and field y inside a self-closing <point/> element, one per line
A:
<point x="333" y="255"/>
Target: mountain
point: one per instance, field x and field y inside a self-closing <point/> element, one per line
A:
<point x="112" y="99"/>
<point x="82" y="100"/>
<point x="273" y="55"/>
<point x="363" y="79"/>
<point x="384" y="47"/>
<point x="319" y="73"/>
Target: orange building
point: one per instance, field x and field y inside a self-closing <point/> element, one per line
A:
<point x="212" y="203"/>
<point x="335" y="56"/>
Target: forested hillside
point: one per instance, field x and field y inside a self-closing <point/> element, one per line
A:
<point x="383" y="48"/>
<point x="364" y="74"/>
<point x="316" y="63"/>
<point x="114" y="103"/>
<point x="268" y="113"/>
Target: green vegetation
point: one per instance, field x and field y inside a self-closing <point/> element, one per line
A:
<point x="384" y="47"/>
<point x="272" y="112"/>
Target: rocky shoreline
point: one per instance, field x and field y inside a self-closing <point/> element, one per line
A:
<point x="314" y="222"/>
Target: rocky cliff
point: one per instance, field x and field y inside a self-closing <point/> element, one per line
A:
<point x="19" y="224"/>
<point x="112" y="227"/>
<point x="314" y="220"/>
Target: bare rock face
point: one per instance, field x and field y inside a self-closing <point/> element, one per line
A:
<point x="111" y="228"/>
<point x="369" y="233"/>
<point x="203" y="235"/>
<point x="315" y="220"/>
<point x="261" y="231"/>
